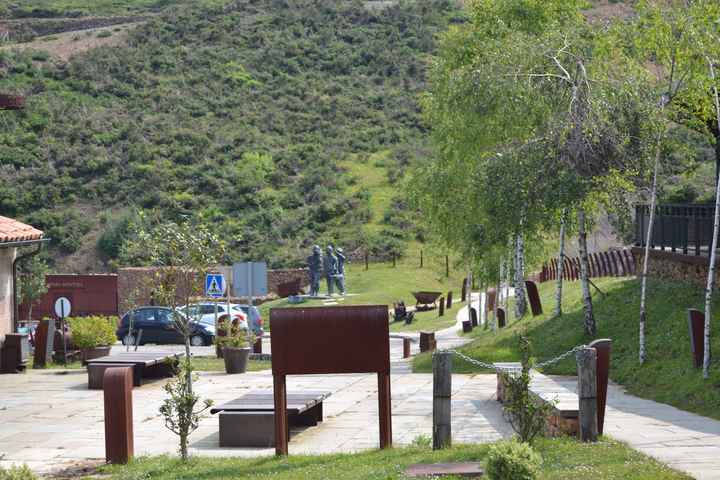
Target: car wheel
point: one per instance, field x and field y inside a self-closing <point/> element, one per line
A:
<point x="128" y="340"/>
<point x="197" y="341"/>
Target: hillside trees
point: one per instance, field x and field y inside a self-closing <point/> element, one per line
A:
<point x="173" y="123"/>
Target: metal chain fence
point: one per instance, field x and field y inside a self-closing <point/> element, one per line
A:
<point x="491" y="366"/>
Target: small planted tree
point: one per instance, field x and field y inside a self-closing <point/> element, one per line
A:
<point x="32" y="282"/>
<point x="526" y="416"/>
<point x="184" y="253"/>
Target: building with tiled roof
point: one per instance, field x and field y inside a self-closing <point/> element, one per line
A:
<point x="13" y="235"/>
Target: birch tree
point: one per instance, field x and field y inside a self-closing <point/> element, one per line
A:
<point x="560" y="262"/>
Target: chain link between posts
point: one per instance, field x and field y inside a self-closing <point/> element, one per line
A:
<point x="490" y="366"/>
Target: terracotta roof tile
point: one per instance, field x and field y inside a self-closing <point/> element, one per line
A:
<point x="14" y="231"/>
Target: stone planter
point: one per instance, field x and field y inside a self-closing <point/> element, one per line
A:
<point x="93" y="353"/>
<point x="236" y="359"/>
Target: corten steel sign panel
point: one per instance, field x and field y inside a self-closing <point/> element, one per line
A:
<point x="330" y="340"/>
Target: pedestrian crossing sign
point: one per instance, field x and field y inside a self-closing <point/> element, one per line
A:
<point x="214" y="285"/>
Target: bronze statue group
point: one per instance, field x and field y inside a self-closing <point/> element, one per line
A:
<point x="331" y="266"/>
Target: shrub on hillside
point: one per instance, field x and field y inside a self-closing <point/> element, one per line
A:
<point x="512" y="460"/>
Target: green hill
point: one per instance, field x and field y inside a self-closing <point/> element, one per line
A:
<point x="668" y="375"/>
<point x="261" y="118"/>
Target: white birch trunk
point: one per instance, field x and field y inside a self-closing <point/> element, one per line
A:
<point x="713" y="248"/>
<point x="588" y="317"/>
<point x="520" y="303"/>
<point x="508" y="282"/>
<point x="561" y="259"/>
<point x="646" y="255"/>
<point x="498" y="296"/>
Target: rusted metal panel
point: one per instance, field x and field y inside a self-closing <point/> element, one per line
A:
<point x="602" y="347"/>
<point x="473" y="317"/>
<point x="406" y="347"/>
<point x="534" y="298"/>
<point x="327" y="340"/>
<point x="467" y="326"/>
<point x="491" y="297"/>
<point x="44" y="338"/>
<point x="463" y="294"/>
<point x="89" y="294"/>
<point x="330" y="340"/>
<point x="696" y="326"/>
<point x="501" y="317"/>
<point x="441" y="309"/>
<point x="427" y="340"/>
<point x="117" y="391"/>
<point x="449" y="299"/>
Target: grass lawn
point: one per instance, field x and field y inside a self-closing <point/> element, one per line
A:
<point x="562" y="459"/>
<point x="383" y="284"/>
<point x="214" y="364"/>
<point x="668" y="375"/>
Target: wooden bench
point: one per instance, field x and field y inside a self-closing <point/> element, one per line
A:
<point x="144" y="365"/>
<point x="564" y="419"/>
<point x="249" y="421"/>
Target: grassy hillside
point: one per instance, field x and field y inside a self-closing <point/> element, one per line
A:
<point x="563" y="458"/>
<point x="668" y="375"/>
<point x="262" y="118"/>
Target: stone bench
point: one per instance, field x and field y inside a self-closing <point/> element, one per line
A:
<point x="249" y="421"/>
<point x="565" y="402"/>
<point x="144" y="365"/>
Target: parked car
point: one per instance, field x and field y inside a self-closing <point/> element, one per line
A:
<point x="207" y="314"/>
<point x="158" y="325"/>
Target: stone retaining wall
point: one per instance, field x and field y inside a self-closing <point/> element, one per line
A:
<point x="134" y="284"/>
<point x="675" y="266"/>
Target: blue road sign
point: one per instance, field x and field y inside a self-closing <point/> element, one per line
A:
<point x="215" y="285"/>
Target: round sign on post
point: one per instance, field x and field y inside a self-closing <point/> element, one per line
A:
<point x="62" y="307"/>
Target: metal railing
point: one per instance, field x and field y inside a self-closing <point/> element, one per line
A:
<point x="685" y="228"/>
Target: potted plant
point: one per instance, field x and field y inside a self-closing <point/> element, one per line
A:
<point x="93" y="335"/>
<point x="235" y="346"/>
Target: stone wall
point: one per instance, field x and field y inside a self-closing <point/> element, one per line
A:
<point x="675" y="266"/>
<point x="135" y="284"/>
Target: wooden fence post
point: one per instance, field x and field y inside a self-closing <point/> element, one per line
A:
<point x="447" y="266"/>
<point x="421" y="259"/>
<point x="366" y="260"/>
<point x="442" y="390"/>
<point x="587" y="394"/>
<point x="393" y="259"/>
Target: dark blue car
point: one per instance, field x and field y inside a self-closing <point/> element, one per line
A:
<point x="158" y="325"/>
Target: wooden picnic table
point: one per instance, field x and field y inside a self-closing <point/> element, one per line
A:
<point x="249" y="421"/>
<point x="144" y="365"/>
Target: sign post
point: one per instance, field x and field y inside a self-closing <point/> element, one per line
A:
<point x="215" y="288"/>
<point x="63" y="307"/>
<point x="250" y="280"/>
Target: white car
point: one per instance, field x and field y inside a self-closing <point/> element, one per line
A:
<point x="205" y="313"/>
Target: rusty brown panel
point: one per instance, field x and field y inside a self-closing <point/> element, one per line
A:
<point x="427" y="340"/>
<point x="473" y="317"/>
<point x="501" y="317"/>
<point x="406" y="348"/>
<point x="602" y="347"/>
<point x="491" y="297"/>
<point x="43" y="345"/>
<point x="533" y="297"/>
<point x="597" y="265"/>
<point x="117" y="392"/>
<point x="449" y="299"/>
<point x="696" y="327"/>
<point x="320" y="340"/>
<point x="385" y="410"/>
<point x="463" y="295"/>
<point x="441" y="309"/>
<point x="467" y="326"/>
<point x="282" y="431"/>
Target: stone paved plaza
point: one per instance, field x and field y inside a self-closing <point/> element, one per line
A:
<point x="51" y="418"/>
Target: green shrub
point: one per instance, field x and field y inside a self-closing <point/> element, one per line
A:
<point x="104" y="34"/>
<point x="512" y="460"/>
<point x="91" y="332"/>
<point x="17" y="473"/>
